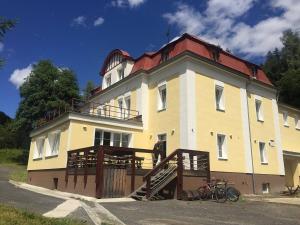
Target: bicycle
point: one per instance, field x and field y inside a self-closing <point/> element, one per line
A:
<point x="214" y="190"/>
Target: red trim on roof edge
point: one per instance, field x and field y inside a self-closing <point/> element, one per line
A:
<point x="193" y="44"/>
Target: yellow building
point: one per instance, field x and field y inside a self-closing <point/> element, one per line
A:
<point x="188" y="95"/>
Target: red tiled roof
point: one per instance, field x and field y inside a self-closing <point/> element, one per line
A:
<point x="197" y="46"/>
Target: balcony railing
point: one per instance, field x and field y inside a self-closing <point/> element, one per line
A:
<point x="93" y="109"/>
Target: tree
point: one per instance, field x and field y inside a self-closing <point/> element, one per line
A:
<point x="87" y="91"/>
<point x="46" y="89"/>
<point x="5" y="25"/>
<point x="283" y="68"/>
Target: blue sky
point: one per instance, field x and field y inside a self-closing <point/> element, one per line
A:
<point x="79" y="34"/>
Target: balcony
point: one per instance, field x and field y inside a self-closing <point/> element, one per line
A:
<point x="91" y="109"/>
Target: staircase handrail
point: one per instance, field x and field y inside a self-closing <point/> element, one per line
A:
<point x="160" y="165"/>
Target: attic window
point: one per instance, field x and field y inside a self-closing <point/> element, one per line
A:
<point x="164" y="56"/>
<point x="254" y="71"/>
<point x="216" y="55"/>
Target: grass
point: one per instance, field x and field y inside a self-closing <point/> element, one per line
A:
<point x="12" y="216"/>
<point x="10" y="158"/>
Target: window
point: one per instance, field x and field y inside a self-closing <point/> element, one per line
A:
<point x="162" y="97"/>
<point x="265" y="188"/>
<point x="111" y="139"/>
<point x="262" y="152"/>
<point x="259" y="111"/>
<point x="54" y="140"/>
<point x="285" y="119"/>
<point x="127" y="106"/>
<point x="254" y="71"/>
<point x="39" y="147"/>
<point x="108" y="80"/>
<point x="121" y="73"/>
<point x="221" y="145"/>
<point x="163" y="138"/>
<point x="164" y="56"/>
<point x="125" y="140"/>
<point x="220" y="98"/>
<point x="216" y="55"/>
<point x="117" y="139"/>
<point x="297" y="122"/>
<point x="106" y="138"/>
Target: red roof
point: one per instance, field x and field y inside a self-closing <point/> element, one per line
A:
<point x="189" y="43"/>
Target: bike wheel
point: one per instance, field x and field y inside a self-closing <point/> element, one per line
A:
<point x="220" y="194"/>
<point x="204" y="194"/>
<point x="233" y="194"/>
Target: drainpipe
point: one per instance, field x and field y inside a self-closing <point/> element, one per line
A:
<point x="252" y="163"/>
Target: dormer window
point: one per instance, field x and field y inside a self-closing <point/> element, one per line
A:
<point x="164" y="56"/>
<point x="254" y="71"/>
<point x="215" y="55"/>
<point x="108" y="80"/>
<point x="121" y="73"/>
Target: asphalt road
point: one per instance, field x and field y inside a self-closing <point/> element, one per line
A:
<point x="20" y="198"/>
<point x="175" y="212"/>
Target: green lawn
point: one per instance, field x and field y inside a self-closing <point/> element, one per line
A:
<point x="12" y="216"/>
<point x="10" y="158"/>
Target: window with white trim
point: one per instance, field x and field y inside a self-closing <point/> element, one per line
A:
<point x="297" y="122"/>
<point x="127" y="106"/>
<point x="54" y="141"/>
<point x="219" y="96"/>
<point x="39" y="148"/>
<point x="108" y="138"/>
<point x="285" y="119"/>
<point x="108" y="80"/>
<point x="121" y="73"/>
<point x="265" y="188"/>
<point x="262" y="152"/>
<point x="259" y="110"/>
<point x="221" y="146"/>
<point x="162" y="97"/>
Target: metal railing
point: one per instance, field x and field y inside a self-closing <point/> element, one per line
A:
<point x="93" y="109"/>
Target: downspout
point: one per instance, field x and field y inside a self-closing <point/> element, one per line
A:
<point x="250" y="136"/>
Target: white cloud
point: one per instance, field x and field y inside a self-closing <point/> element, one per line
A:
<point x="1" y="46"/>
<point x="79" y="21"/>
<point x="125" y="3"/>
<point x="19" y="76"/>
<point x="99" y="21"/>
<point x="222" y="23"/>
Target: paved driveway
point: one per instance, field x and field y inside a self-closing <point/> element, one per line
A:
<point x="207" y="213"/>
<point x="20" y="198"/>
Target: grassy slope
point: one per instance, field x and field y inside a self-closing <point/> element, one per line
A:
<point x="10" y="158"/>
<point x="12" y="216"/>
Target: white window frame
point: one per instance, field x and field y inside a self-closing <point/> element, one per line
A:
<point x="259" y="111"/>
<point x="220" y="103"/>
<point x="267" y="190"/>
<point x="160" y="105"/>
<point x="224" y="147"/>
<point x="121" y="75"/>
<point x="121" y="107"/>
<point x="39" y="149"/>
<point x="263" y="152"/>
<point x="112" y="137"/>
<point x="127" y="106"/>
<point x="285" y="117"/>
<point x="53" y="148"/>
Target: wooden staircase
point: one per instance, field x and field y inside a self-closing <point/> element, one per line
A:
<point x="157" y="183"/>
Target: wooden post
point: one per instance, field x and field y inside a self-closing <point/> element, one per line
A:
<point x="85" y="167"/>
<point x="67" y="168"/>
<point x="76" y="168"/>
<point x="179" y="174"/>
<point x="99" y="173"/>
<point x="148" y="187"/>
<point x="132" y="172"/>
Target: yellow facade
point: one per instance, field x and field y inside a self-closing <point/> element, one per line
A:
<point x="211" y="122"/>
